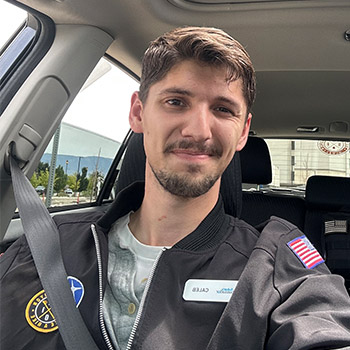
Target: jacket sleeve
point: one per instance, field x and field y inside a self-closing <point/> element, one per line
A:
<point x="314" y="307"/>
<point x="19" y="307"/>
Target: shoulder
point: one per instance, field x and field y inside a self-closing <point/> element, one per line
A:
<point x="292" y="254"/>
<point x="71" y="227"/>
<point x="76" y="226"/>
<point x="276" y="232"/>
<point x="241" y="236"/>
<point x="78" y="218"/>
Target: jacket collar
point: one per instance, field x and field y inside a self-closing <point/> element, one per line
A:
<point x="208" y="234"/>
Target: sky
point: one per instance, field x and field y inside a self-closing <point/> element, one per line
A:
<point x="102" y="106"/>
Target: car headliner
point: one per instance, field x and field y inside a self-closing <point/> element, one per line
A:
<point x="298" y="48"/>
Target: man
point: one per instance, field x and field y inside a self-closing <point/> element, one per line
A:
<point x="165" y="267"/>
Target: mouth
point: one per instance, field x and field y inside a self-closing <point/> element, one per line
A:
<point x="193" y="151"/>
<point x="191" y="155"/>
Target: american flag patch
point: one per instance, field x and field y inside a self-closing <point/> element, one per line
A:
<point x="305" y="252"/>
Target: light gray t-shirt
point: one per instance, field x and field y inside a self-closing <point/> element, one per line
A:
<point x="129" y="265"/>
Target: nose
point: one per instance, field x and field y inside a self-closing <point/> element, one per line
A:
<point x="198" y="124"/>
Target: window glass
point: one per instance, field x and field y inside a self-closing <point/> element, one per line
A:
<point x="89" y="137"/>
<point x="13" y="52"/>
<point x="11" y="18"/>
<point x="294" y="161"/>
<point x="19" y="54"/>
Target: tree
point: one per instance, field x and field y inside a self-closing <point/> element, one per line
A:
<point x="73" y="183"/>
<point x="38" y="179"/>
<point x="43" y="177"/>
<point x="42" y="167"/>
<point x="84" y="181"/>
<point x="95" y="180"/>
<point x="34" y="180"/>
<point x="60" y="179"/>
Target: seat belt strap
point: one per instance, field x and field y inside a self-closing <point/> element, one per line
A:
<point x="43" y="240"/>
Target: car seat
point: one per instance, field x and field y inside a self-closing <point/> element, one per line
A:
<point x="327" y="221"/>
<point x="259" y="205"/>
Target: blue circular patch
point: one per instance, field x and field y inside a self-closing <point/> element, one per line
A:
<point x="77" y="289"/>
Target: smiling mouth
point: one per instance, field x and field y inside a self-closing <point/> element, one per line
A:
<point x="192" y="150"/>
<point x="191" y="154"/>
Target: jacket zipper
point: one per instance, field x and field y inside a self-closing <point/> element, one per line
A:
<point x="100" y="284"/>
<point x="140" y="310"/>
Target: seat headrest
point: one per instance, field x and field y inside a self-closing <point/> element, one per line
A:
<point x="328" y="192"/>
<point x="133" y="169"/>
<point x="256" y="162"/>
<point x="134" y="162"/>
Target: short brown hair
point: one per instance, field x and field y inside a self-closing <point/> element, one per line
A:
<point x="209" y="45"/>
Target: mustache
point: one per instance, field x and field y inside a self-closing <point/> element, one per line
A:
<point x="200" y="147"/>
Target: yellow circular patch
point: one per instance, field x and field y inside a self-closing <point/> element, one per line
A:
<point x="39" y="315"/>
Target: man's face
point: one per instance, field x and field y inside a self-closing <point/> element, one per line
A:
<point x="193" y="121"/>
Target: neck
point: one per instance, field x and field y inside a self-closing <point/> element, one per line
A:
<point x="164" y="219"/>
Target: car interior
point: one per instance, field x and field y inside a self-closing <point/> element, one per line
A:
<point x="301" y="53"/>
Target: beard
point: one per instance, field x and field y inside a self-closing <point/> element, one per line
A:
<point x="187" y="185"/>
<point x="184" y="185"/>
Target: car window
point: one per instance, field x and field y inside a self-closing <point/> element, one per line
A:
<point x="76" y="161"/>
<point x="12" y="18"/>
<point x="294" y="161"/>
<point x="13" y="52"/>
<point x="24" y="40"/>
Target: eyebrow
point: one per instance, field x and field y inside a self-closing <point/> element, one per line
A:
<point x="175" y="90"/>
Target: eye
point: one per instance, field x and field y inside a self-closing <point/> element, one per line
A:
<point x="224" y="110"/>
<point x="175" y="102"/>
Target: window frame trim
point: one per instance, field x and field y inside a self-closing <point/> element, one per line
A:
<point x="30" y="56"/>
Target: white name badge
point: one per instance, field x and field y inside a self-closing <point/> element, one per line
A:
<point x="209" y="290"/>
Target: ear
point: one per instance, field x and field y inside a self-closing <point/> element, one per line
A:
<point x="135" y="114"/>
<point x="245" y="133"/>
